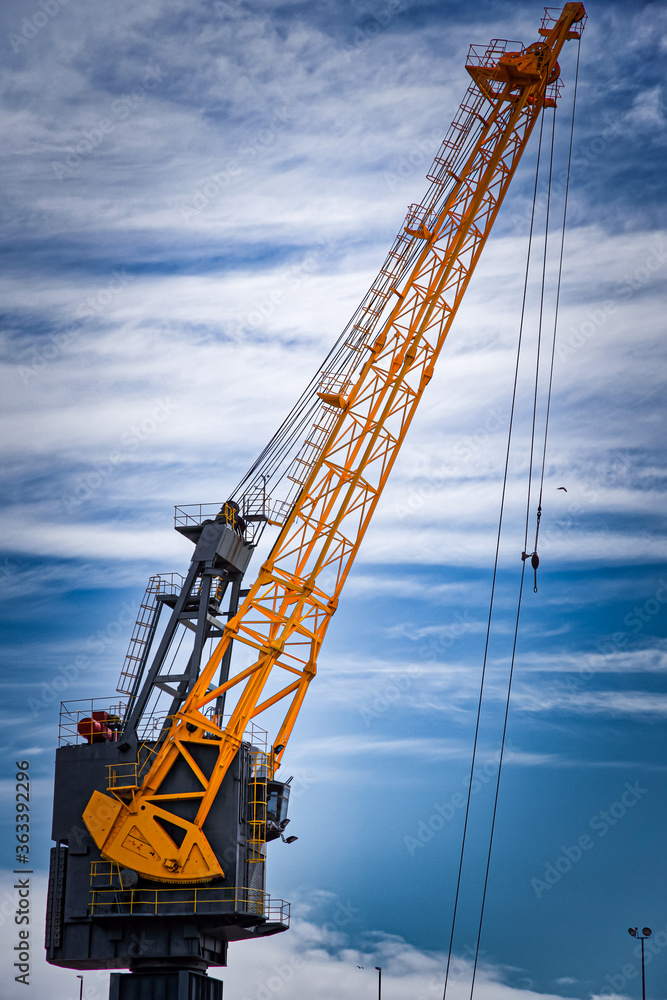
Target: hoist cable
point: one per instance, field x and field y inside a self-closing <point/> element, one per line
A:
<point x="560" y="274"/>
<point x="523" y="568"/>
<point x="539" y="349"/>
<point x="500" y="767"/>
<point x="495" y="565"/>
<point x="274" y="462"/>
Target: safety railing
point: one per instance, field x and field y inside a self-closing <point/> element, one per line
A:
<point x="420" y="222"/>
<point x="553" y="14"/>
<point x="89" y="720"/>
<point x="159" y="721"/>
<point x="105" y="875"/>
<point x="481" y="57"/>
<point x="254" y="734"/>
<point x="73" y="713"/>
<point x="487" y="56"/>
<point x="116" y="901"/>
<point x="254" y="515"/>
<point x="128" y="775"/>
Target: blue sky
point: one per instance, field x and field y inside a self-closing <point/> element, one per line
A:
<point x="168" y="167"/>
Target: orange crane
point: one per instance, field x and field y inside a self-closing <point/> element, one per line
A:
<point x="356" y="417"/>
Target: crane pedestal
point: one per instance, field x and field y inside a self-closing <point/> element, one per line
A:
<point x="164" y="984"/>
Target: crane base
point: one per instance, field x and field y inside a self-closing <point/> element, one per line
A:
<point x="175" y="984"/>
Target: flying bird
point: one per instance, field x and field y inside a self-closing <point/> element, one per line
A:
<point x="562" y="488"/>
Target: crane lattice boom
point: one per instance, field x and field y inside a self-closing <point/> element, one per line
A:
<point x="364" y="405"/>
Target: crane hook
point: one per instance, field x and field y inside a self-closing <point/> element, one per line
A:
<point x="534" y="562"/>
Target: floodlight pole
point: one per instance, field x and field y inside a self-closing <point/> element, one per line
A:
<point x="379" y="972"/>
<point x="646" y="932"/>
<point x="643" y="973"/>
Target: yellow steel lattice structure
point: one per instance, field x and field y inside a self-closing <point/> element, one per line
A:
<point x="365" y="412"/>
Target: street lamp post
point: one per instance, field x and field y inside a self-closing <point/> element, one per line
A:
<point x="80" y="987"/>
<point x="379" y="972"/>
<point x="646" y="933"/>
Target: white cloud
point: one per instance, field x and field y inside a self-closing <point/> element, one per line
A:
<point x="441" y="483"/>
<point x="608" y="703"/>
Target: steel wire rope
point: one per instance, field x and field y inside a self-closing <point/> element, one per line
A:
<point x="537" y="362"/>
<point x="299" y="415"/>
<point x="278" y="458"/>
<point x="523" y="572"/>
<point x="289" y="433"/>
<point x="267" y="465"/>
<point x="558" y="285"/>
<point x="495" y="563"/>
<point x="523" y="568"/>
